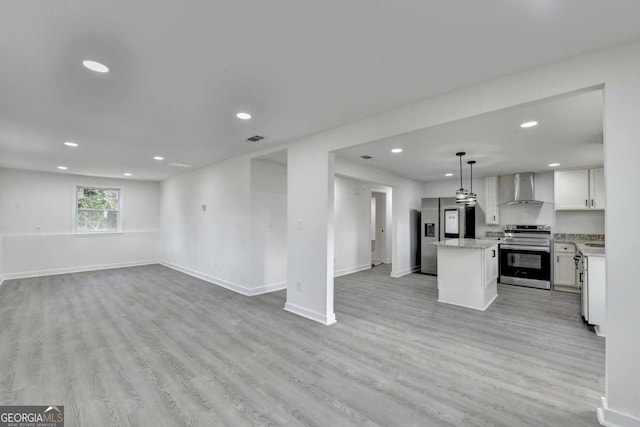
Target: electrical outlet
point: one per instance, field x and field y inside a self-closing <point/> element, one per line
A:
<point x="298" y="286"/>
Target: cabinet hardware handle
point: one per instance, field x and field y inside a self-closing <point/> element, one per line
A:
<point x="586" y="202"/>
<point x="557" y="258"/>
<point x="592" y="203"/>
<point x="493" y="253"/>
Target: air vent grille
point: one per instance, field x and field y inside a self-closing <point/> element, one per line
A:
<point x="255" y="138"/>
<point x="180" y="165"/>
<point x="366" y="157"/>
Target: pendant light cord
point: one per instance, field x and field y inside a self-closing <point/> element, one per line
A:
<point x="460" y="156"/>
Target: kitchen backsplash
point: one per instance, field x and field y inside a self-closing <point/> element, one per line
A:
<point x="573" y="236"/>
<point x="556" y="236"/>
<point x="494" y="234"/>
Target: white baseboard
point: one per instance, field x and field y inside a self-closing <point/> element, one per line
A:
<point x="311" y="315"/>
<point x="1" y="280"/>
<point x="350" y="270"/>
<point x="267" y="288"/>
<point x="66" y="270"/>
<point x="610" y="418"/>
<point x="243" y="290"/>
<point x="470" y="306"/>
<point x="406" y="271"/>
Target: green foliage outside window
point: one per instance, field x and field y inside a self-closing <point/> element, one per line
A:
<point x="97" y="210"/>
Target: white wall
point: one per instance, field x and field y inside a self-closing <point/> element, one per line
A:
<point x="36" y="219"/>
<point x="1" y="229"/>
<point x="580" y="222"/>
<point x="622" y="132"/>
<point x="268" y="226"/>
<point x="404" y="198"/>
<point x="352" y="226"/>
<point x="591" y="222"/>
<point x="212" y="244"/>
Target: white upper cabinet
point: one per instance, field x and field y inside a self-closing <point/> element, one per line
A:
<point x="580" y="189"/>
<point x="491" y="212"/>
<point x="596" y="185"/>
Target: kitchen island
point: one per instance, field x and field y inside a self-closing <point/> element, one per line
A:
<point x="468" y="272"/>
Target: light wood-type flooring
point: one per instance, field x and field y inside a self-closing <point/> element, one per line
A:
<point x="148" y="346"/>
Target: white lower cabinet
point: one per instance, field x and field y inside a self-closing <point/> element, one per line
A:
<point x="564" y="266"/>
<point x="596" y="292"/>
<point x="490" y="265"/>
<point x="467" y="276"/>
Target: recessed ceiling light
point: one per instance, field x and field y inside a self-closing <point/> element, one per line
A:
<point x="529" y="124"/>
<point x="243" y="116"/>
<point x="448" y="174"/>
<point x="70" y="144"/>
<point x="397" y="150"/>
<point x="128" y="174"/>
<point x="95" y="66"/>
<point x="158" y="158"/>
<point x="553" y="165"/>
<point x="63" y="168"/>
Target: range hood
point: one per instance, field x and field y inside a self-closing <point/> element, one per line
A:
<point x="522" y="190"/>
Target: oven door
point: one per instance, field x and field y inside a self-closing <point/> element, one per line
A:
<point x="525" y="266"/>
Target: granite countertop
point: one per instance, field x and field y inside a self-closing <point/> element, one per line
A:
<point x="581" y="241"/>
<point x="573" y="238"/>
<point x="589" y="250"/>
<point x="466" y="243"/>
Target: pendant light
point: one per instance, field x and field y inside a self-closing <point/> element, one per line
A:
<point x="461" y="194"/>
<point x="471" y="198"/>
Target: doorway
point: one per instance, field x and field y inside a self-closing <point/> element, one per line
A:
<point x="379" y="253"/>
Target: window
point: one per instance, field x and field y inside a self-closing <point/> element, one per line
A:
<point x="97" y="210"/>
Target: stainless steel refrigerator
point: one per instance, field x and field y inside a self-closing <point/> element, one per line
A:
<point x="442" y="218"/>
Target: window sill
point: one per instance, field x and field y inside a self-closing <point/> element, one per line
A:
<point x="98" y="234"/>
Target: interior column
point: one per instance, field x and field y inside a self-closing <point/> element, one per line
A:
<point x="310" y="187"/>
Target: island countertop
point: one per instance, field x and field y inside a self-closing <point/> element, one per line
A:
<point x="467" y="243"/>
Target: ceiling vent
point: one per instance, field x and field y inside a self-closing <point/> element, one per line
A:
<point x="180" y="165"/>
<point x="255" y="138"/>
<point x="366" y="157"/>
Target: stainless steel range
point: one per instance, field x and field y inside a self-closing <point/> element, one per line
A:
<point x="525" y="256"/>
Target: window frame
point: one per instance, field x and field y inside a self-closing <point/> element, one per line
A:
<point x="119" y="221"/>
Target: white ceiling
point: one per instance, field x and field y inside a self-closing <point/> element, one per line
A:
<point x="181" y="70"/>
<point x="569" y="132"/>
